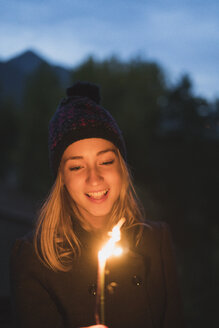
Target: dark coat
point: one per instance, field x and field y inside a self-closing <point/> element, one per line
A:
<point x="141" y="285"/>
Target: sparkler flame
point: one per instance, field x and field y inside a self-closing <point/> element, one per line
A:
<point x="110" y="248"/>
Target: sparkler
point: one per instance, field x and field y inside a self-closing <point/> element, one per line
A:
<point x="108" y="250"/>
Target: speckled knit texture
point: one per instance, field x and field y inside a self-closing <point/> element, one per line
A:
<point x="78" y="118"/>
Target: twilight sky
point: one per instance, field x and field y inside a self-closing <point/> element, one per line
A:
<point x="181" y="35"/>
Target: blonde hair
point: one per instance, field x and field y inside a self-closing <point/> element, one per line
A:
<point x="55" y="240"/>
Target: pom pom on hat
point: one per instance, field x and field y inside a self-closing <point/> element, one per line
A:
<point x="85" y="89"/>
<point x="79" y="116"/>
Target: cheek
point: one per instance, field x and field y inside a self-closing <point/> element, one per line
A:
<point x="71" y="185"/>
<point x="116" y="179"/>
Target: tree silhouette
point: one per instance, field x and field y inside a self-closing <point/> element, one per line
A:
<point x="42" y="95"/>
<point x="8" y="138"/>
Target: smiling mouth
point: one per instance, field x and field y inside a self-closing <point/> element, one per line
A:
<point x="97" y="194"/>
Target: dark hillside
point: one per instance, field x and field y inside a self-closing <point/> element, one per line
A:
<point x="14" y="74"/>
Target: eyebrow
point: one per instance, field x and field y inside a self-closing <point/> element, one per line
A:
<point x="106" y="151"/>
<point x="98" y="154"/>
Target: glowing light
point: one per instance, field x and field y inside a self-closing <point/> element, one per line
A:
<point x="108" y="250"/>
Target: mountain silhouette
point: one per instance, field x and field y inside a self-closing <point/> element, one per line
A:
<point x="14" y="73"/>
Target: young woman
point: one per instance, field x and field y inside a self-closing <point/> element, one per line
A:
<point x="54" y="272"/>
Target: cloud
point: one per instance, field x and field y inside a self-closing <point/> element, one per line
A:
<point x="181" y="35"/>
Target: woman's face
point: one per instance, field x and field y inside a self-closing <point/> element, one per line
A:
<point x="92" y="175"/>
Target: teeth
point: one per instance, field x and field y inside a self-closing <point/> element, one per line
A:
<point x="97" y="194"/>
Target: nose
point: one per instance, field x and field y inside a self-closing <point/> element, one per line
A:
<point x="94" y="176"/>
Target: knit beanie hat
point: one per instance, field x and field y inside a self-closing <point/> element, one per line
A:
<point x="79" y="116"/>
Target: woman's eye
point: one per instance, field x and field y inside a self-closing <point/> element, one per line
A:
<point x="75" y="168"/>
<point x="107" y="162"/>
